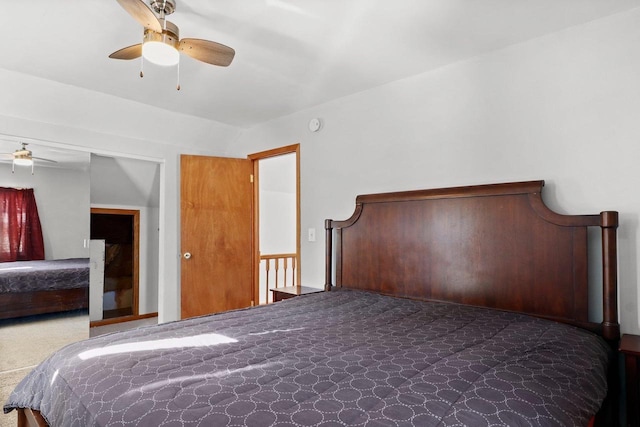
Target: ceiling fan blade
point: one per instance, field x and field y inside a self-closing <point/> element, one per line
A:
<point x="208" y="51"/>
<point x="129" y="52"/>
<point x="141" y="13"/>
<point x="43" y="160"/>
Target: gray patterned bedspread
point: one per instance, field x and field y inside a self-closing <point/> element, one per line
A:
<point x="334" y="358"/>
<point x="27" y="276"/>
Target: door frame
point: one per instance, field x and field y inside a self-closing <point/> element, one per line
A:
<point x="255" y="158"/>
<point x="136" y="248"/>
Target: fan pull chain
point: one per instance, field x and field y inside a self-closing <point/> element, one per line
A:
<point x="178" y="87"/>
<point x="13" y="167"/>
<point x="141" y="66"/>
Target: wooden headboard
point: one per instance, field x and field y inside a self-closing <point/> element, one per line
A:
<point x="494" y="246"/>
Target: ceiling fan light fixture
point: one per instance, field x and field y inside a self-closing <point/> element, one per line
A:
<point x="22" y="160"/>
<point x="161" y="43"/>
<point x="23" y="157"/>
<point x="160" y="53"/>
<point x="162" y="48"/>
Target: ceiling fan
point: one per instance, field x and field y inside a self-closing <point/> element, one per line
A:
<point x="161" y="43"/>
<point x="23" y="157"/>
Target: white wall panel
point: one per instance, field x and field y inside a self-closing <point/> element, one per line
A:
<point x="563" y="108"/>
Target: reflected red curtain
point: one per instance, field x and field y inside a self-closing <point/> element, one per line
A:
<point x="20" y="230"/>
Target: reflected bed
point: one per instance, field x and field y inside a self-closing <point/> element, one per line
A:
<point x="37" y="287"/>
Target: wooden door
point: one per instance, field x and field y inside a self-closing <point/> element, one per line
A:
<point x="216" y="234"/>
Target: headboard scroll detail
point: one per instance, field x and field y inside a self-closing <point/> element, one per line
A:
<point x="494" y="245"/>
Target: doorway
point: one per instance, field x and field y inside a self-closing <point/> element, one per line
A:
<point x="277" y="213"/>
<point x="220" y="227"/>
<point x="120" y="230"/>
<point x="277" y="238"/>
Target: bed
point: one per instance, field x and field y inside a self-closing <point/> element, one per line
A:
<point x="453" y="307"/>
<point x="47" y="286"/>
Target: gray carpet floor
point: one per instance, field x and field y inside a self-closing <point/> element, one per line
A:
<point x="26" y="342"/>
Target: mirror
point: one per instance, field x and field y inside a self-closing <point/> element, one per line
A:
<point x="67" y="185"/>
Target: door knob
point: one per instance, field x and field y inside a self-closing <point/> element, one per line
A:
<point x="187" y="255"/>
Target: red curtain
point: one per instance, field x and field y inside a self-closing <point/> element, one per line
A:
<point x="20" y="230"/>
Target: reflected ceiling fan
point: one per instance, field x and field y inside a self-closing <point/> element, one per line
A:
<point x="23" y="157"/>
<point x="161" y="43"/>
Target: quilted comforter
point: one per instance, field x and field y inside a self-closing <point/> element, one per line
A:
<point x="334" y="358"/>
<point x="28" y="276"/>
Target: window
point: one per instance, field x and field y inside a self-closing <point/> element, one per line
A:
<point x="20" y="230"/>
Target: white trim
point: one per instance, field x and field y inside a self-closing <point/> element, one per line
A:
<point x="79" y="148"/>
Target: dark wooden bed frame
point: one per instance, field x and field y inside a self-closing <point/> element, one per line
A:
<point x="495" y="246"/>
<point x="40" y="302"/>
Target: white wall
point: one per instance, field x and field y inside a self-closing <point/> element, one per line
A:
<point x="62" y="196"/>
<point x="119" y="181"/>
<point x="564" y="108"/>
<point x="278" y="221"/>
<point x="278" y="204"/>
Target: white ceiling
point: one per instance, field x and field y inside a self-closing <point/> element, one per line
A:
<point x="290" y="54"/>
<point x="128" y="182"/>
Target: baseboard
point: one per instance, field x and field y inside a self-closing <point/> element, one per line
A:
<point x="96" y="323"/>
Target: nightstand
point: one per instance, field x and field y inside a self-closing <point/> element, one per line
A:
<point x="630" y="347"/>
<point x="292" y="291"/>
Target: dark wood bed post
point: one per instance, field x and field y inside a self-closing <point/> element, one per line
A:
<point x="329" y="225"/>
<point x="328" y="256"/>
<point x="609" y="412"/>
<point x="610" y="325"/>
